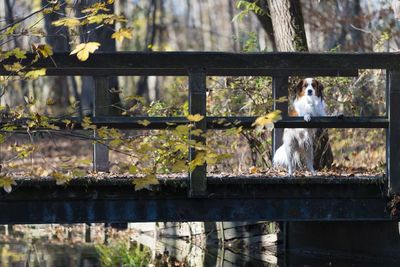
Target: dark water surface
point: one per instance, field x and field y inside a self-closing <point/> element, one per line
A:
<point x="33" y="249"/>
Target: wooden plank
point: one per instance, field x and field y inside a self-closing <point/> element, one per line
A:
<point x="197" y="105"/>
<point x="101" y="107"/>
<point x="216" y="61"/>
<point x="393" y="155"/>
<point x="279" y="89"/>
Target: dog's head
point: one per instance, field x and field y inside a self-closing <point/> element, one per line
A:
<point x="309" y="87"/>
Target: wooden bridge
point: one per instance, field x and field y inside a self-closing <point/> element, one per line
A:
<point x="216" y="198"/>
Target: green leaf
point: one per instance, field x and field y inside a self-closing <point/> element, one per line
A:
<point x="144" y="122"/>
<point x="145" y="182"/>
<point x="68" y="22"/>
<point x="132" y="169"/>
<point x="34" y="74"/>
<point x="78" y="173"/>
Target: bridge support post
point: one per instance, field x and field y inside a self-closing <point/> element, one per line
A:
<point x="101" y="107"/>
<point x="393" y="133"/>
<point x="355" y="240"/>
<point x="279" y="89"/>
<point x="197" y="105"/>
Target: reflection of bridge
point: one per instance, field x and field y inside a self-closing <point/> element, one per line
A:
<point x="197" y="197"/>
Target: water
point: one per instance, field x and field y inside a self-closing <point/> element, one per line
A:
<point x="60" y="246"/>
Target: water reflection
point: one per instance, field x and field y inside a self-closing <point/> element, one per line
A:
<point x="83" y="246"/>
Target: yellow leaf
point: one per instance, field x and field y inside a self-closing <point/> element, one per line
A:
<point x="211" y="158"/>
<point x="43" y="50"/>
<point x="78" y="173"/>
<point x="198" y="160"/>
<point x="122" y="33"/>
<point x="14" y="67"/>
<point x="50" y="102"/>
<point x="11" y="30"/>
<point x="132" y="169"/>
<point x="268" y="120"/>
<point x="68" y="22"/>
<point x="181" y="147"/>
<point x="87" y="124"/>
<point x="16" y="52"/>
<point x="83" y="50"/>
<point x="195" y="118"/>
<point x="34" y="74"/>
<point x="144" y="122"/>
<point x="179" y="166"/>
<point x="196" y="132"/>
<point x="7" y="183"/>
<point x="275" y="115"/>
<point x="24" y="150"/>
<point x="95" y="8"/>
<point x="141" y="183"/>
<point x="97" y="19"/>
<point x="66" y="122"/>
<point x="253" y="170"/>
<point x="182" y="129"/>
<point x="61" y="178"/>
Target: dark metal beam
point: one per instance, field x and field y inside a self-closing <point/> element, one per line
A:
<point x="229" y="199"/>
<point x="217" y="123"/>
<point x="215" y="63"/>
<point x="192" y="209"/>
<point x="393" y="153"/>
<point x="184" y="72"/>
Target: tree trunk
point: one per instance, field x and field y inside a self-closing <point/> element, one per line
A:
<point x="288" y="25"/>
<point x="58" y="39"/>
<point x="234" y="31"/>
<point x="290" y="36"/>
<point x="266" y="22"/>
<point x="142" y="85"/>
<point x="103" y="36"/>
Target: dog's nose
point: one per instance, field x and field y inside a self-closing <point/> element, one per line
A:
<point x="309" y="92"/>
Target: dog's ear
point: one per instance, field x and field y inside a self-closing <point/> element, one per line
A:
<point x="319" y="88"/>
<point x="299" y="87"/>
<point x="319" y="85"/>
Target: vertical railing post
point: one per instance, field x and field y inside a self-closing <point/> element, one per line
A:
<point x="101" y="107"/>
<point x="279" y="89"/>
<point x="197" y="105"/>
<point x="393" y="135"/>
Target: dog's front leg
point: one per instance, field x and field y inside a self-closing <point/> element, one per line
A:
<point x="290" y="159"/>
<point x="309" y="160"/>
<point x="307" y="117"/>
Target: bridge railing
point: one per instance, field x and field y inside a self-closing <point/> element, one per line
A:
<point x="198" y="65"/>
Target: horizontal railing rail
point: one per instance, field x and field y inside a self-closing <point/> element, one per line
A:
<point x="214" y="123"/>
<point x="213" y="63"/>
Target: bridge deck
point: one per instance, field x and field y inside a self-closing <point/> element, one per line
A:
<point x="254" y="197"/>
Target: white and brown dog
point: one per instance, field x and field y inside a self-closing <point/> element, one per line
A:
<point x="298" y="143"/>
